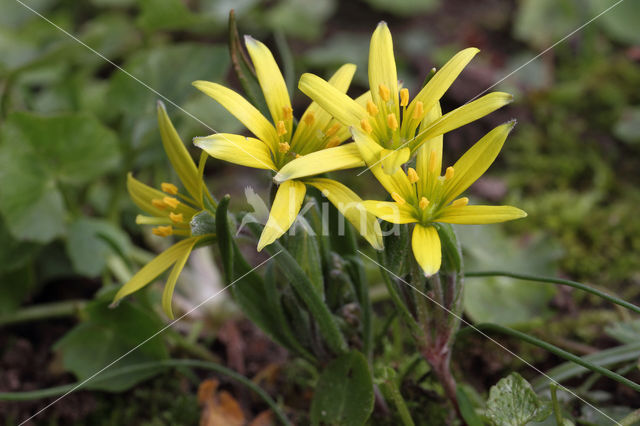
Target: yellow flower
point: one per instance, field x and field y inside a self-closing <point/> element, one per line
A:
<point x="424" y="196"/>
<point x="385" y="113"/>
<point x="276" y="144"/>
<point x="170" y="212"/>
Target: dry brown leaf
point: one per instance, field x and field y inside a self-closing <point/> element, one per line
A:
<point x="219" y="408"/>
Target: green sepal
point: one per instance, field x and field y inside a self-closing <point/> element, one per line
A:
<point x="451" y="249"/>
<point x="305" y="248"/>
<point x="203" y="223"/>
<point x="397" y="249"/>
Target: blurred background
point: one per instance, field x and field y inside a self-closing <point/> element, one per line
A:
<point x="72" y="126"/>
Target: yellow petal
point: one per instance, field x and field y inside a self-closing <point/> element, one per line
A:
<point x="349" y="204"/>
<point x="178" y="155"/>
<point x="429" y="157"/>
<point x="169" y="287"/>
<point x="143" y="196"/>
<point x="284" y="211"/>
<point x="475" y="161"/>
<point x="382" y="67"/>
<point x="305" y="139"/>
<point x="390" y="211"/>
<point x="271" y="81"/>
<point x="237" y="149"/>
<point x="391" y="160"/>
<point x="335" y="102"/>
<point x="425" y="243"/>
<point x="242" y="110"/>
<point x="479" y="215"/>
<point x="440" y="82"/>
<point x="158" y="265"/>
<point x="463" y="115"/>
<point x="326" y="160"/>
<point x="371" y="153"/>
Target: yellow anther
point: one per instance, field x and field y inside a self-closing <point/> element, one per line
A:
<point x="384" y="92"/>
<point x="176" y="218"/>
<point x="334" y="141"/>
<point x="298" y="156"/>
<point x="432" y="161"/>
<point x="158" y="203"/>
<point x="448" y="174"/>
<point x="162" y="231"/>
<point x="460" y="202"/>
<point x="404" y="97"/>
<point x="332" y="130"/>
<point x="397" y="198"/>
<point x="418" y="111"/>
<point x="372" y="109"/>
<point x="171" y="202"/>
<point x="287" y="112"/>
<point x="309" y="118"/>
<point x="169" y="188"/>
<point x="424" y="203"/>
<point x="281" y="129"/>
<point x="392" y="121"/>
<point x="364" y="123"/>
<point x="413" y="175"/>
<point x="283" y="147"/>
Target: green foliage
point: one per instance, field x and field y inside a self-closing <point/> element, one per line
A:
<point x="344" y="394"/>
<point x="512" y="402"/>
<point x="91" y="241"/>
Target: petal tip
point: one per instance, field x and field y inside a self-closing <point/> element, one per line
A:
<point x="250" y="40"/>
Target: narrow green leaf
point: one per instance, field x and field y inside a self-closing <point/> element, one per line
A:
<point x="344" y="394"/>
<point x="304" y="246"/>
<point x="451" y="250"/>
<point x="225" y="239"/>
<point x="466" y="408"/>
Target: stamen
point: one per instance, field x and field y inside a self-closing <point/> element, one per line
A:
<point x="176" y="218"/>
<point x="424" y="203"/>
<point x="432" y="161"/>
<point x="169" y="188"/>
<point x="364" y="123"/>
<point x="171" y="202"/>
<point x="309" y="119"/>
<point x="397" y="198"/>
<point x="298" y="156"/>
<point x="334" y="141"/>
<point x="460" y="202"/>
<point x="162" y="231"/>
<point x="404" y="97"/>
<point x="413" y="175"/>
<point x="283" y="146"/>
<point x="448" y="174"/>
<point x="418" y="111"/>
<point x="158" y="203"/>
<point x="372" y="109"/>
<point x="384" y="92"/>
<point x="281" y="128"/>
<point x="332" y="130"/>
<point x="287" y="112"/>
<point x="392" y="122"/>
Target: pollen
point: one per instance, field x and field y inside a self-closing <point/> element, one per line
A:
<point x="309" y="118"/>
<point x="460" y="202"/>
<point x="392" y="121"/>
<point x="432" y="161"/>
<point x="169" y="188"/>
<point x="397" y="198"/>
<point x="287" y="112"/>
<point x="176" y="218"/>
<point x="418" y="111"/>
<point x="171" y="202"/>
<point x="424" y="203"/>
<point x="404" y="97"/>
<point x="281" y="128"/>
<point x="364" y="123"/>
<point x="384" y="92"/>
<point x="158" y="203"/>
<point x="283" y="147"/>
<point x="372" y="109"/>
<point x="332" y="130"/>
<point x="448" y="174"/>
<point x="298" y="156"/>
<point x="413" y="175"/>
<point x="162" y="231"/>
<point x="334" y="141"/>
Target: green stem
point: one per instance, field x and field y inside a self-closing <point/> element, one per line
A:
<point x="44" y="311"/>
<point x="553" y="349"/>
<point x="631" y="419"/>
<point x="392" y="392"/>
<point x="556" y="404"/>
<point x="124" y="371"/>
<point x="553" y="280"/>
